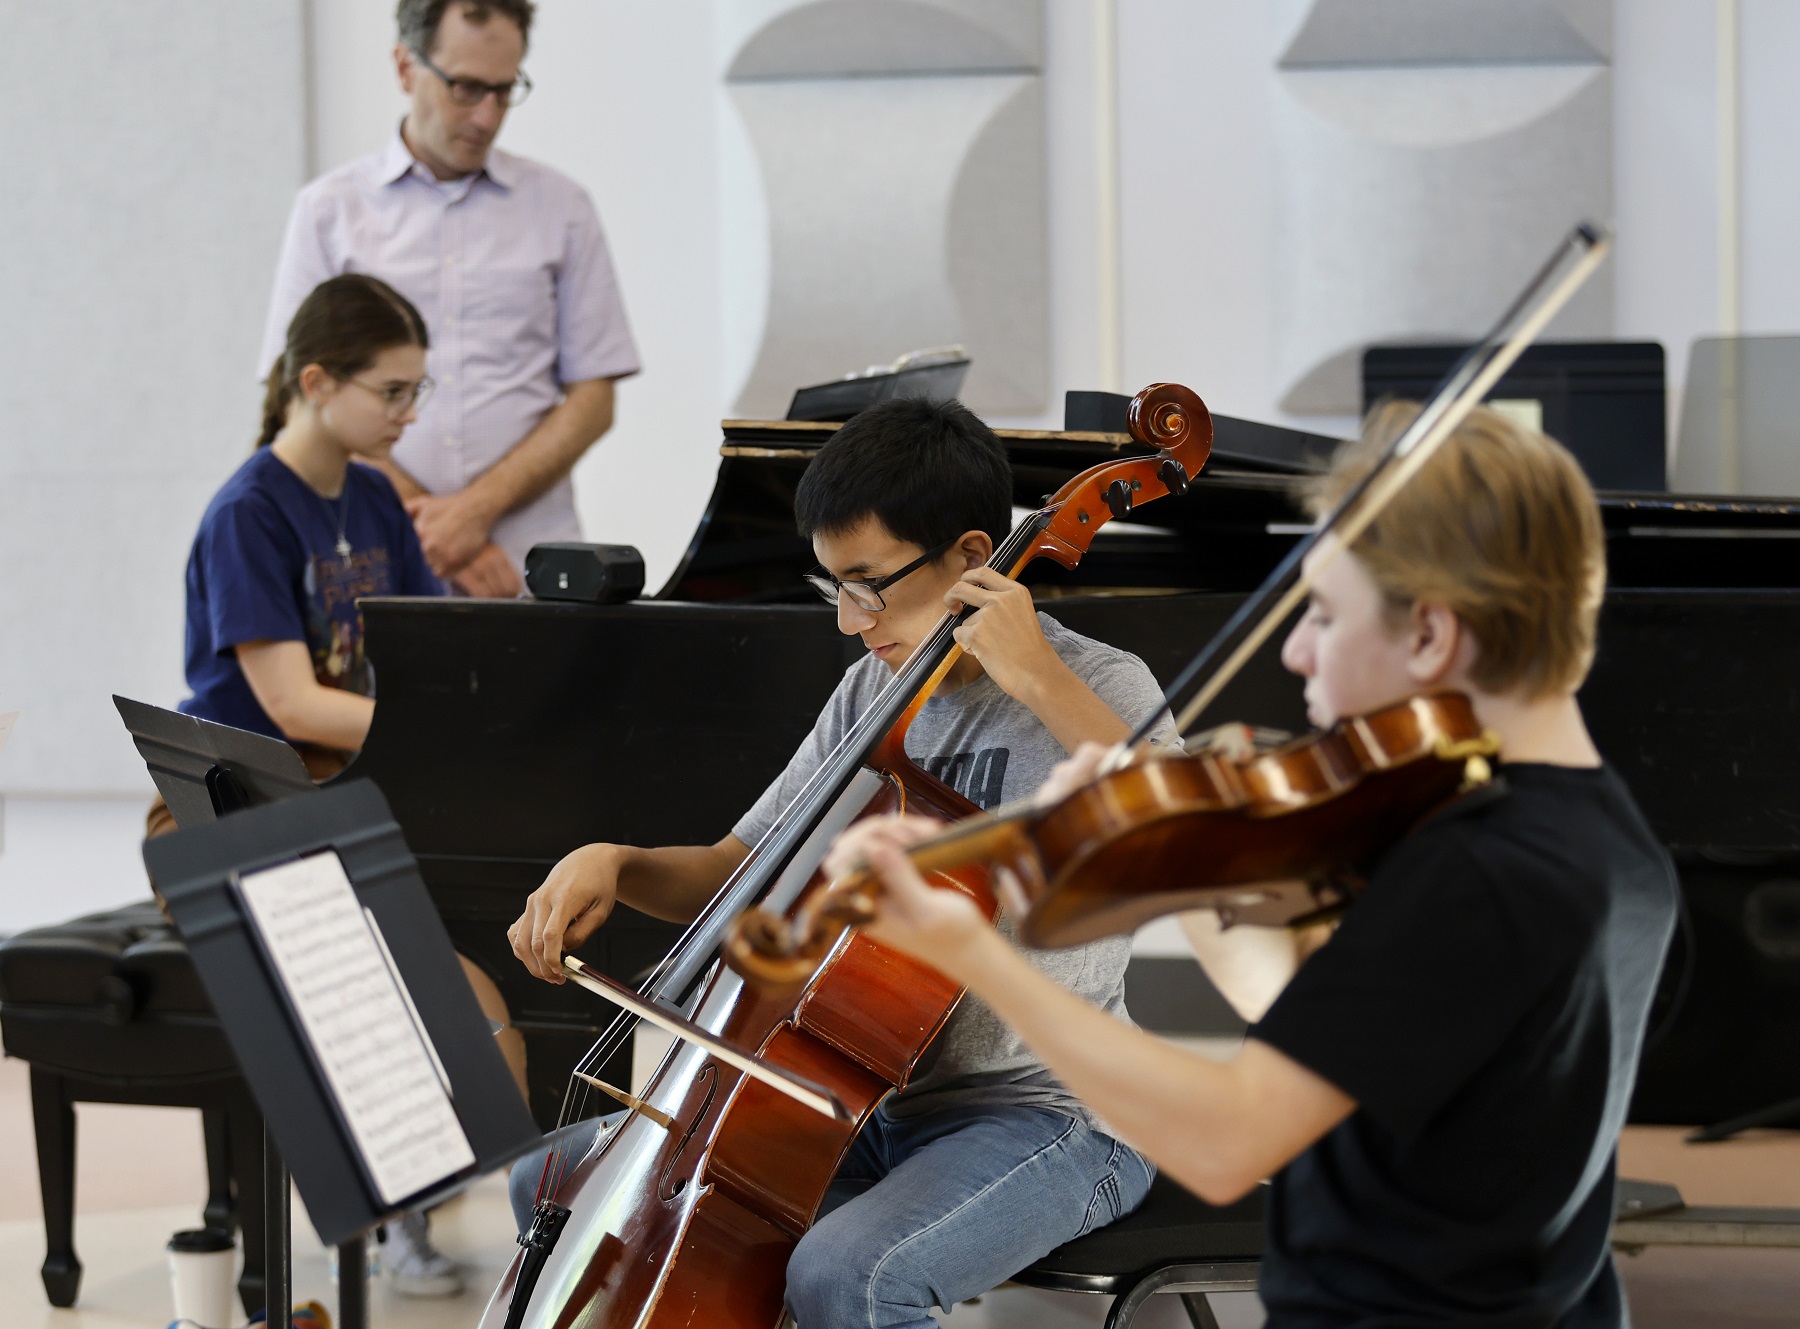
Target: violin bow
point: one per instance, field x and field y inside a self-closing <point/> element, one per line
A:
<point x="1282" y="591"/>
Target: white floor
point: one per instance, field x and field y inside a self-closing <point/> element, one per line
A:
<point x="141" y="1176"/>
<point x="125" y="1285"/>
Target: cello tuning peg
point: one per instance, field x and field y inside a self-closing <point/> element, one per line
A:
<point x="1118" y="498"/>
<point x="1174" y="478"/>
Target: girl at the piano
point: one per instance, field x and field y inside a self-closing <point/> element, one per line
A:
<point x="299" y="533"/>
<point x="287" y="546"/>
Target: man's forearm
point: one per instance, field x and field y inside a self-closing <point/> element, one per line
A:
<point x="548" y="453"/>
<point x="674" y="882"/>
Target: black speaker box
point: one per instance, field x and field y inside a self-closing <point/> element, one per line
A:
<point x="1724" y="1036"/>
<point x="592" y="574"/>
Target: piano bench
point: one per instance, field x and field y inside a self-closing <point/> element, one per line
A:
<point x="1172" y="1242"/>
<point x="107" y="1008"/>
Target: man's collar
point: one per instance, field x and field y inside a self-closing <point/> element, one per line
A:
<point x="398" y="160"/>
<point x="499" y="169"/>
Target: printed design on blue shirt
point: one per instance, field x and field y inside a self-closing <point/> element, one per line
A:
<point x="334" y="626"/>
<point x="977" y="776"/>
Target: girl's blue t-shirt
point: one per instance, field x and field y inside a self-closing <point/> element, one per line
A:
<point x="266" y="566"/>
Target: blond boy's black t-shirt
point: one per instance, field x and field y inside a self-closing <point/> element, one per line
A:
<point x="1484" y="1003"/>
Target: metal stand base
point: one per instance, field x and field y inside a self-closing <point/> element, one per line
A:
<point x="278" y="1247"/>
<point x="278" y="1253"/>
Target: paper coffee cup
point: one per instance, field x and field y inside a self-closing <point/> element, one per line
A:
<point x="201" y="1264"/>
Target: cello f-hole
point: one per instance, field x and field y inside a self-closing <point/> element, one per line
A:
<point x="709" y="1076"/>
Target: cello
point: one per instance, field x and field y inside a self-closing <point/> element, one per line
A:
<point x="685" y="1211"/>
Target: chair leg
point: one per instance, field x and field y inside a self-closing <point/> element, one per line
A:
<point x="53" y="1121"/>
<point x="1129" y="1302"/>
<point x="1199" y="1310"/>
<point x="244" y="1130"/>
<point x="219" y="1212"/>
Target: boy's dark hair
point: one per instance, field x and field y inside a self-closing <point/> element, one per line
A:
<point x="928" y="470"/>
<point x="418" y="19"/>
<point x="341" y="326"/>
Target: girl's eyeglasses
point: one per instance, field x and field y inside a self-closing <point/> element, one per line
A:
<point x="399" y="398"/>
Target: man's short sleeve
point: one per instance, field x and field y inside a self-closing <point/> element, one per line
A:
<point x="593" y="337"/>
<point x="1425" y="978"/>
<point x="251" y="564"/>
<point x="304" y="263"/>
<point x="1126" y="684"/>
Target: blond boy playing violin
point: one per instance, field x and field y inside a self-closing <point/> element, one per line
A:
<point x="1437" y="1091"/>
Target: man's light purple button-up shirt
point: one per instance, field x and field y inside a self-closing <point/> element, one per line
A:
<point x="511" y="272"/>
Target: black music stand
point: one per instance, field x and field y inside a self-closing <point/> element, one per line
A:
<point x="197" y="870"/>
<point x="204" y="770"/>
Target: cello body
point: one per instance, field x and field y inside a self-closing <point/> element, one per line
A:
<point x="693" y="1223"/>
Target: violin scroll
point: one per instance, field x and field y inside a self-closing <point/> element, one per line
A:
<point x="774" y="952"/>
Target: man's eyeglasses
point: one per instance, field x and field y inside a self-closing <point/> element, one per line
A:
<point x="399" y="398"/>
<point x="471" y="91"/>
<point x="867" y="594"/>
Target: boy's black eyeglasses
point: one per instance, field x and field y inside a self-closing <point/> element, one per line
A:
<point x="470" y="91"/>
<point x="867" y="594"/>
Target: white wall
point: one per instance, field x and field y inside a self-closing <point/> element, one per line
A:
<point x="1665" y="177"/>
<point x="1769" y="119"/>
<point x="149" y="162"/>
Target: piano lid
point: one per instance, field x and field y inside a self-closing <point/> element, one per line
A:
<point x="1238" y="518"/>
<point x="1239" y="445"/>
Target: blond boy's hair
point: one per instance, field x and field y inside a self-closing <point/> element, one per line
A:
<point x="1501" y="527"/>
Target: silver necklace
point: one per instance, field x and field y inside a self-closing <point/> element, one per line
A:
<point x="343" y="516"/>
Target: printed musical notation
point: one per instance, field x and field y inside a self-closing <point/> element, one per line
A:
<point x="354" y="1010"/>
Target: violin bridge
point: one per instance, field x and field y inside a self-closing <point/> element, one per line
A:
<point x="631" y="1101"/>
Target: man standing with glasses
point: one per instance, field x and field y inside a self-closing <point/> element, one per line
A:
<point x="505" y="259"/>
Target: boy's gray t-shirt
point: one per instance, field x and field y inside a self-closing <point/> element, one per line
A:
<point x="991" y="749"/>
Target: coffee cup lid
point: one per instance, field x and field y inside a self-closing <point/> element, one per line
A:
<point x="201" y="1241"/>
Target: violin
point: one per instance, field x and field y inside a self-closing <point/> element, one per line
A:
<point x="1278" y="838"/>
<point x="687" y="1210"/>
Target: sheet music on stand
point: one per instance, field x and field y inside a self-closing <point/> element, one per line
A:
<point x="356" y="1017"/>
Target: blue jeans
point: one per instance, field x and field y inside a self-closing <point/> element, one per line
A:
<point x="935" y="1209"/>
<point x="932" y="1210"/>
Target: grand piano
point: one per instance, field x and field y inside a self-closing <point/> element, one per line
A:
<point x="510" y="732"/>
